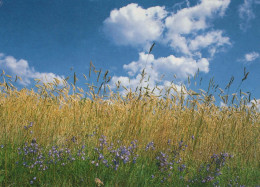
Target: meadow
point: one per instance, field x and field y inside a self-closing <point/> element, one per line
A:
<point x="147" y="137"/>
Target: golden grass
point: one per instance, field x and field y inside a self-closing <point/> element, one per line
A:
<point x="59" y="118"/>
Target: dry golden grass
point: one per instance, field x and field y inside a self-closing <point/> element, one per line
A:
<point x="62" y="117"/>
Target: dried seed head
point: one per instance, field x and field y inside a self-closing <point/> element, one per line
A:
<point x="98" y="182"/>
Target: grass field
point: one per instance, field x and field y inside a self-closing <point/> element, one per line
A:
<point x="182" y="138"/>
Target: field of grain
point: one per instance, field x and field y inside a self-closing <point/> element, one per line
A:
<point x="181" y="138"/>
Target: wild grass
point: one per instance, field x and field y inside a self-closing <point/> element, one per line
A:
<point x="52" y="138"/>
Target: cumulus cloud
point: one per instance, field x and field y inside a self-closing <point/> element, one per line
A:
<point x="156" y="68"/>
<point x="211" y="38"/>
<point x="246" y="14"/>
<point x="251" y="56"/>
<point x="133" y="25"/>
<point x="183" y="26"/>
<point x="181" y="66"/>
<point x="157" y="87"/>
<point x="136" y="26"/>
<point x="194" y="18"/>
<point x="187" y="31"/>
<point x="22" y="69"/>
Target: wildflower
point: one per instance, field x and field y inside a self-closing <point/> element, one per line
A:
<point x="216" y="183"/>
<point x="100" y="157"/>
<point x="104" y="161"/>
<point x="116" y="167"/>
<point x="180" y="144"/>
<point x="182" y="167"/>
<point x="73" y="139"/>
<point x="209" y="178"/>
<point x="149" y="145"/>
<point x="134" y="159"/>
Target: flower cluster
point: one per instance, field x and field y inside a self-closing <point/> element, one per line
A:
<point x="210" y="171"/>
<point x="115" y="156"/>
<point x="167" y="161"/>
<point x="28" y="127"/>
<point x="149" y="146"/>
<point x="33" y="156"/>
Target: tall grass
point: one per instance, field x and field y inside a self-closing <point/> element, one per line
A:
<point x="157" y="127"/>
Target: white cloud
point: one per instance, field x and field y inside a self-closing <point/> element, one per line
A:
<point x="136" y="26"/>
<point x="211" y="38"/>
<point x="155" y="68"/>
<point x="246" y="14"/>
<point x="183" y="26"/>
<point x="157" y="87"/>
<point x="188" y="31"/>
<point x="133" y="25"/>
<point x="251" y="56"/>
<point x="181" y="66"/>
<point x="194" y="18"/>
<point x="21" y="68"/>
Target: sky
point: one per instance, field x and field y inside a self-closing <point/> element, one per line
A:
<point x="44" y="39"/>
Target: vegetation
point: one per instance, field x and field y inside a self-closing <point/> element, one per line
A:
<point x="149" y="137"/>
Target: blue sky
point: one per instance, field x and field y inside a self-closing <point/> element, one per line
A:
<point x="45" y="38"/>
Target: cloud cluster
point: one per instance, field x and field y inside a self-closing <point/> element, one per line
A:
<point x="251" y="56"/>
<point x="22" y="69"/>
<point x="136" y="26"/>
<point x="182" y="66"/>
<point x="188" y="32"/>
<point x="183" y="28"/>
<point x="170" y="66"/>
